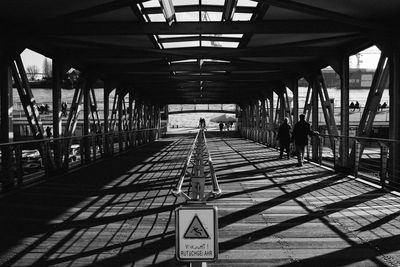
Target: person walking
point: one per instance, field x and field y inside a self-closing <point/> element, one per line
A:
<point x="301" y="131"/>
<point x="284" y="137"/>
<point x="64" y="109"/>
<point x="221" y="126"/>
<point x="48" y="132"/>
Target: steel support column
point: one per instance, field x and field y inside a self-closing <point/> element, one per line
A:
<point x="6" y="129"/>
<point x="27" y="99"/>
<point x="244" y="119"/>
<point x="57" y="76"/>
<point x="106" y="112"/>
<point x="131" y="102"/>
<point x="344" y="111"/>
<point x="257" y="124"/>
<point x="263" y="121"/>
<point x="130" y="111"/>
<point x="295" y="90"/>
<point x="271" y="125"/>
<point x="314" y="99"/>
<point x="86" y="121"/>
<point x="120" y="127"/>
<point x="394" y="113"/>
<point x="378" y="85"/>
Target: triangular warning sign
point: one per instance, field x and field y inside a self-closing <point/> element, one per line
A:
<point x="196" y="230"/>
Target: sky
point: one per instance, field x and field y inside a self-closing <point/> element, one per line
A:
<point x="369" y="58"/>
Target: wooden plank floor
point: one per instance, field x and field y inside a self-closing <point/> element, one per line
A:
<point x="121" y="213"/>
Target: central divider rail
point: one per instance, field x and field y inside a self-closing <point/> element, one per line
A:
<point x="198" y="157"/>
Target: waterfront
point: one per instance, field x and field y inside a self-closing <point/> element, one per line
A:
<point x="44" y="96"/>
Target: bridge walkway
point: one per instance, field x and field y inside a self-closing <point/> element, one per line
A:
<point x="120" y="212"/>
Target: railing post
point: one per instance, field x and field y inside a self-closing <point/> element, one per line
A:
<point x="320" y="148"/>
<point x="336" y="147"/>
<point x="45" y="158"/>
<point x="357" y="152"/>
<point x="112" y="143"/>
<point x="384" y="161"/>
<point x="82" y="151"/>
<point x="126" y="136"/>
<point x="18" y="165"/>
<point x="65" y="148"/>
<point x="94" y="145"/>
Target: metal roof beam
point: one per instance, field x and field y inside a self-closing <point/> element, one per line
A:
<point x="95" y="10"/>
<point x="207" y="53"/>
<point x="206" y="67"/>
<point x="139" y="28"/>
<point x="323" y="13"/>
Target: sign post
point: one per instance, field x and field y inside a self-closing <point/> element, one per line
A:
<point x="196" y="233"/>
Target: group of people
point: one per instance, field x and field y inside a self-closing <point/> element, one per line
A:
<point x="202" y="123"/>
<point x="228" y="125"/>
<point x="354" y="106"/>
<point x="381" y="107"/>
<point x="299" y="135"/>
<point x="43" y="108"/>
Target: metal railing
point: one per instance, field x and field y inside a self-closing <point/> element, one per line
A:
<point x="24" y="162"/>
<point x="369" y="157"/>
<point x="197" y="158"/>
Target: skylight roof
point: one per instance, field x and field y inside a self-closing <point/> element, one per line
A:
<point x="206" y="40"/>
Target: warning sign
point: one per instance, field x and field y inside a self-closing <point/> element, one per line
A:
<point x="196" y="233"/>
<point x="196" y="229"/>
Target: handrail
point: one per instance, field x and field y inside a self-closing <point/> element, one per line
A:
<point x="200" y="140"/>
<point x="376" y="166"/>
<point x="216" y="191"/>
<point x="58" y="155"/>
<point x="177" y="191"/>
<point x="72" y="137"/>
<point x="364" y="138"/>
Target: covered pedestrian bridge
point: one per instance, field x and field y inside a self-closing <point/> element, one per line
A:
<point x="99" y="189"/>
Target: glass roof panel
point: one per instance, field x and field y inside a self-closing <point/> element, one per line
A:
<point x="211" y="16"/>
<point x="182" y="44"/>
<point x="242" y="16"/>
<point x="224" y="35"/>
<point x="215" y="60"/>
<point x="187" y="16"/>
<point x="220" y="44"/>
<point x="198" y="16"/>
<point x="213" y="2"/>
<point x="185" y="2"/>
<point x="247" y="3"/>
<point x="157" y="18"/>
<point x="151" y="3"/>
<point x="184" y="61"/>
<point x="176" y="35"/>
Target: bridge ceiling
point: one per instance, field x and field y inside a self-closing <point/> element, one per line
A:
<point x="204" y="56"/>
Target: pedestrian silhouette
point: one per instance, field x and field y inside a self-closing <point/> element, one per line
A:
<point x="357" y="106"/>
<point x="48" y="132"/>
<point x="284" y="138"/>
<point x="64" y="109"/>
<point x="301" y="131"/>
<point x="351" y="105"/>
